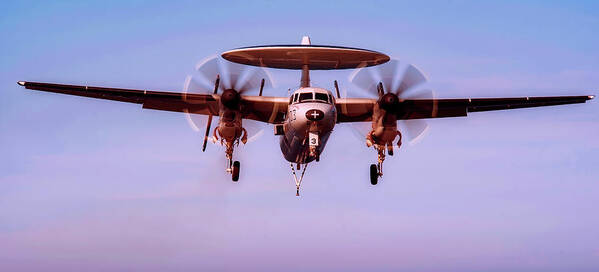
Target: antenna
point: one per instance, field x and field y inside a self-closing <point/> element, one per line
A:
<point x="337" y="89"/>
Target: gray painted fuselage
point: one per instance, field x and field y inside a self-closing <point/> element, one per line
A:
<point x="303" y="117"/>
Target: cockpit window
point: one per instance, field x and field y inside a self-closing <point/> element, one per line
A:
<point x="305" y="96"/>
<point x="321" y="97"/>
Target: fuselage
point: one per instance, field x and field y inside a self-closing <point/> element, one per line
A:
<point x="310" y="119"/>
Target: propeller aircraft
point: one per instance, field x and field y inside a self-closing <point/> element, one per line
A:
<point x="304" y="120"/>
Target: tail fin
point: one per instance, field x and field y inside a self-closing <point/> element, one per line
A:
<point x="306" y="40"/>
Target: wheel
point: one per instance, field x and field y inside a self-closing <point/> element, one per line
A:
<point x="235" y="172"/>
<point x="374" y="174"/>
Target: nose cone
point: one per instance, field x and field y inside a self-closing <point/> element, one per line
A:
<point x="314" y="115"/>
<point x="389" y="102"/>
<point x="230" y="98"/>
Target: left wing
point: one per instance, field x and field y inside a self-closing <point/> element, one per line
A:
<point x="259" y="108"/>
<point x="360" y="109"/>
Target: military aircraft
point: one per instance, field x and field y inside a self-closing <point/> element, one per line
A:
<point x="306" y="118"/>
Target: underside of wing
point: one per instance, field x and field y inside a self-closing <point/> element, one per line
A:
<point x="354" y="109"/>
<point x="360" y="109"/>
<point x="259" y="108"/>
<point x="438" y="108"/>
<point x="265" y="109"/>
<point x="167" y="101"/>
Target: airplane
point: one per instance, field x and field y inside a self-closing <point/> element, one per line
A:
<point x="305" y="119"/>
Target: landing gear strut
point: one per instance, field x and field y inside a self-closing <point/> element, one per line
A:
<point x="376" y="170"/>
<point x="232" y="166"/>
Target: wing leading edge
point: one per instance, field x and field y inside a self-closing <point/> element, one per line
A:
<point x="360" y="109"/>
<point x="273" y="109"/>
<point x="259" y="108"/>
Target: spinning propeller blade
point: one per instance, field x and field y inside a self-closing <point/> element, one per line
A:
<point x="403" y="80"/>
<point x="214" y="75"/>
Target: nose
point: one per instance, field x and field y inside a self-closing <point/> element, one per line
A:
<point x="314" y="115"/>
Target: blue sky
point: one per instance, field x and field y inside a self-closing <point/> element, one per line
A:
<point x="107" y="186"/>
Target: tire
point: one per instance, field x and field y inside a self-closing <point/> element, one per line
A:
<point x="235" y="172"/>
<point x="374" y="174"/>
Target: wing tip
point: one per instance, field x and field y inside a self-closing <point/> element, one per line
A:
<point x="22" y="83"/>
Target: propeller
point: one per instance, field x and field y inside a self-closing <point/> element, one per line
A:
<point x="391" y="83"/>
<point x="215" y="76"/>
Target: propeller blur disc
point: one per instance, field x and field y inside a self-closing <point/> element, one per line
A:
<point x="404" y="80"/>
<point x="232" y="76"/>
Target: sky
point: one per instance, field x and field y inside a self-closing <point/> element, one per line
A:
<point x="106" y="186"/>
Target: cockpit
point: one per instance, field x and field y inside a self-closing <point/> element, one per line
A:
<point x="311" y="96"/>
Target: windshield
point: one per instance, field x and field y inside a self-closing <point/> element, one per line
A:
<point x="312" y="97"/>
<point x="321" y="97"/>
<point x="305" y="96"/>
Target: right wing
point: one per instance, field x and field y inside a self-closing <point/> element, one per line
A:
<point x="259" y="108"/>
<point x="266" y="109"/>
<point x="167" y="101"/>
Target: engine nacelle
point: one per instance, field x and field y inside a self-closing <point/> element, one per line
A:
<point x="384" y="121"/>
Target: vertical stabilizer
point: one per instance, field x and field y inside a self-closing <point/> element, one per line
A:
<point x="306" y="40"/>
<point x="305" y="81"/>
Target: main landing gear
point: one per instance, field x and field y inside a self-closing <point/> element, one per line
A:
<point x="374" y="174"/>
<point x="376" y="170"/>
<point x="232" y="166"/>
<point x="233" y="169"/>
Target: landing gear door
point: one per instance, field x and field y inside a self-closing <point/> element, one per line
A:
<point x="313" y="139"/>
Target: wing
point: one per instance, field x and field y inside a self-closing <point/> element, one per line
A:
<point x="354" y="109"/>
<point x="259" y="108"/>
<point x="265" y="109"/>
<point x="167" y="101"/>
<point x="360" y="109"/>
